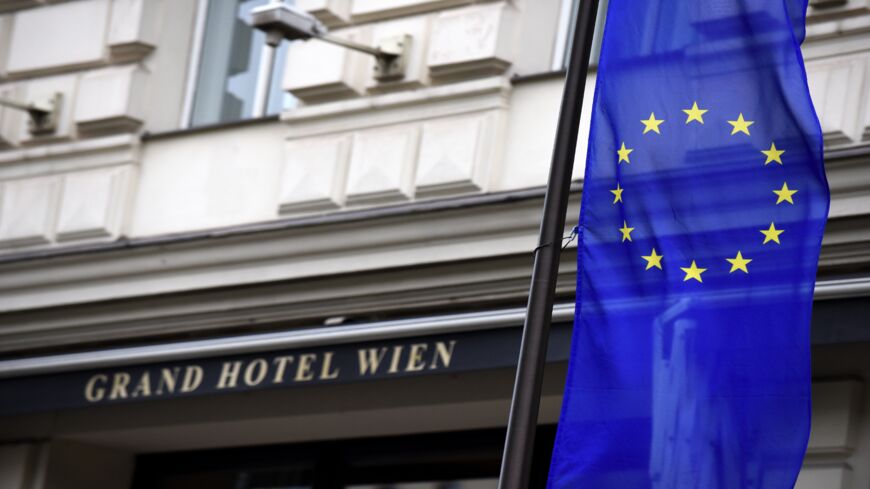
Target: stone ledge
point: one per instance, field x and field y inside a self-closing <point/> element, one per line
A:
<point x="369" y="11"/>
<point x="372" y="107"/>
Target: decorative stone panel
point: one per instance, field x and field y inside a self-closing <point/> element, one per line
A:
<point x="317" y="71"/>
<point x="56" y="37"/>
<point x="382" y="165"/>
<point x="834" y="86"/>
<point x="474" y="41"/>
<point x="27" y="211"/>
<point x="92" y="204"/>
<point x="314" y="174"/>
<point x="368" y="10"/>
<point x="434" y="141"/>
<point x="333" y="13"/>
<point x="452" y="154"/>
<point x="133" y="29"/>
<point x="110" y="101"/>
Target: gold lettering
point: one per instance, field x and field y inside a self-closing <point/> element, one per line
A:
<point x="94" y="393"/>
<point x="325" y="373"/>
<point x="192" y="378"/>
<point x="255" y="372"/>
<point x="394" y="361"/>
<point x="119" y="386"/>
<point x="370" y="360"/>
<point x="168" y="379"/>
<point x="303" y="368"/>
<point x="281" y="364"/>
<point x="415" y="357"/>
<point x="229" y="375"/>
<point x="143" y="387"/>
<point x="443" y="352"/>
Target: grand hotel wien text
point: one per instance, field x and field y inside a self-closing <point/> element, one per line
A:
<point x="230" y="266"/>
<point x="273" y="370"/>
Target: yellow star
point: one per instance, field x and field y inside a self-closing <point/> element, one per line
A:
<point x="738" y="263"/>
<point x="623" y="153"/>
<point x="653" y="260"/>
<point x="771" y="234"/>
<point x="784" y="194"/>
<point x="652" y="124"/>
<point x="741" y="125"/>
<point x="626" y="231"/>
<point x="617" y="193"/>
<point x="773" y="154"/>
<point x="695" y="114"/>
<point x="693" y="272"/>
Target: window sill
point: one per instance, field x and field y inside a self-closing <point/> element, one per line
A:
<point x="151" y="136"/>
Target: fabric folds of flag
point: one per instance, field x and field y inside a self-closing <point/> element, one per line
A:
<point x="704" y="204"/>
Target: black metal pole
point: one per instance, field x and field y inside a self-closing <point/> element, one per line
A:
<point x="517" y="459"/>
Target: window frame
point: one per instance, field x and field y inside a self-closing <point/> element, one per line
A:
<point x="265" y="71"/>
<point x="565" y="30"/>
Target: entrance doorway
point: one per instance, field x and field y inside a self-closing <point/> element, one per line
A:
<point x="456" y="460"/>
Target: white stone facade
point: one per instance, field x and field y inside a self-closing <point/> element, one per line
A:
<point x="360" y="199"/>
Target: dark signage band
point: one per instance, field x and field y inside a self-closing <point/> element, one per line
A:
<point x="478" y="350"/>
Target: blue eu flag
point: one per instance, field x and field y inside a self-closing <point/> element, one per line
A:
<point x="703" y="209"/>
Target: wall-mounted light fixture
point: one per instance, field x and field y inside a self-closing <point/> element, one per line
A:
<point x="281" y="21"/>
<point x="43" y="113"/>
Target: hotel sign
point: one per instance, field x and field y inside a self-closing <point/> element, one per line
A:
<point x="477" y="350"/>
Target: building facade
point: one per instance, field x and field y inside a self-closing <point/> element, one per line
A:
<point x="233" y="266"/>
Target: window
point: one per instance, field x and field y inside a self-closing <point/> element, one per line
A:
<point x="231" y="61"/>
<point x="566" y="33"/>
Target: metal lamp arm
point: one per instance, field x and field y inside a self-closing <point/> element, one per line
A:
<point x="280" y="21"/>
<point x="30" y="108"/>
<point x="374" y="51"/>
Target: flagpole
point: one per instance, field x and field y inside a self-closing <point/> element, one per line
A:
<point x="523" y="418"/>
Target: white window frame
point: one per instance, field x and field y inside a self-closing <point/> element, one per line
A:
<point x="264" y="70"/>
<point x="560" y="50"/>
<point x="193" y="65"/>
<point x="563" y="31"/>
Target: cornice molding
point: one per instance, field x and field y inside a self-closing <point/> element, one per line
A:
<point x="435" y="256"/>
<point x="64" y="157"/>
<point x="313" y="336"/>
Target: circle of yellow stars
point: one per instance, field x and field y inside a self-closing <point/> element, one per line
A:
<point x="739" y="126"/>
